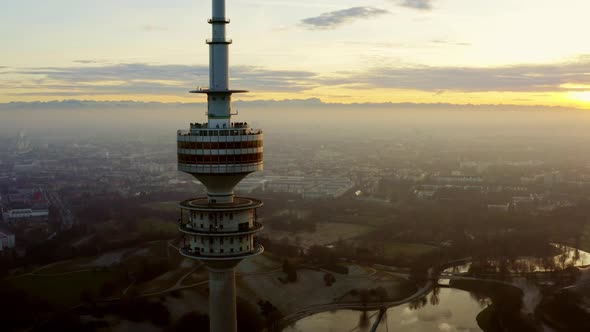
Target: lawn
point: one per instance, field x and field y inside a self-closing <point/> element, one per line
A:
<point x="161" y="282"/>
<point x="157" y="226"/>
<point x="127" y="256"/>
<point x="163" y="206"/>
<point x="363" y="220"/>
<point x="397" y="249"/>
<point x="68" y="266"/>
<point x="326" y="233"/>
<point x="62" y="290"/>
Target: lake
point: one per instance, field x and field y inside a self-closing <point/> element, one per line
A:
<point x="455" y="312"/>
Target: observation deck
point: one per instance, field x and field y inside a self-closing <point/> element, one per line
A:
<point x="203" y="204"/>
<point x="224" y="20"/>
<point x="256" y="250"/>
<point x="198" y="129"/>
<point x="216" y="91"/>
<point x="219" y="41"/>
<point x="188" y="229"/>
<point x="235" y="149"/>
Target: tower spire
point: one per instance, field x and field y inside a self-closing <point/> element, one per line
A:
<point x="218" y="48"/>
<point x="218" y="94"/>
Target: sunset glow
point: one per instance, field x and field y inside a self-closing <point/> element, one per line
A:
<point x="581" y="96"/>
<point x="379" y="51"/>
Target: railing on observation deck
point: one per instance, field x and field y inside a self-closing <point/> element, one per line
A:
<point x="219" y="132"/>
<point x="187" y="251"/>
<point x="187" y="228"/>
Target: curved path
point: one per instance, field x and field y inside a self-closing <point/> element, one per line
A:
<point x="433" y="274"/>
<point x="312" y="310"/>
<point x="60" y="274"/>
<point x="178" y="286"/>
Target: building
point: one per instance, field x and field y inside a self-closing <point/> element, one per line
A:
<point x="499" y="207"/>
<point x="309" y="187"/>
<point x="458" y="179"/>
<point x="23" y="145"/>
<point x="285" y="184"/>
<point x="552" y="179"/>
<point x="426" y="192"/>
<point x="328" y="188"/>
<point x="524" y="203"/>
<point x="7" y="240"/>
<point x="249" y="185"/>
<point x="219" y="229"/>
<point x="27" y="214"/>
<point x="25" y="205"/>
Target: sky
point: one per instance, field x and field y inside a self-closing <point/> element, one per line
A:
<point x="521" y="52"/>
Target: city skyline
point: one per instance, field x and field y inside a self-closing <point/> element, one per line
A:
<point x="417" y="51"/>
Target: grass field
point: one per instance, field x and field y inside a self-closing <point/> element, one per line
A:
<point x="127" y="255"/>
<point x="326" y="233"/>
<point x="199" y="275"/>
<point x="408" y="249"/>
<point x="157" y="225"/>
<point x="163" y="206"/>
<point x="162" y="282"/>
<point x="68" y="266"/>
<point x="370" y="221"/>
<point x="62" y="290"/>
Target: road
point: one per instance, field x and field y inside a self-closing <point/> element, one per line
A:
<point x="67" y="218"/>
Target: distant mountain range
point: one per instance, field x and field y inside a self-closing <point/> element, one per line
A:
<point x="75" y="104"/>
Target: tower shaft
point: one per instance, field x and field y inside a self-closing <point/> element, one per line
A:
<point x="222" y="300"/>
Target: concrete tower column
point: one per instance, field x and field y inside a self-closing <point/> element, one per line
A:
<point x="222" y="300"/>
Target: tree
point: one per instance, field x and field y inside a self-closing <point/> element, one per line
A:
<point x="107" y="289"/>
<point x="192" y="321"/>
<point x="381" y="294"/>
<point x="290" y="270"/>
<point x="248" y="318"/>
<point x="272" y="315"/>
<point x="329" y="279"/>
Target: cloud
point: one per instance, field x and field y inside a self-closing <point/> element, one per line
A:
<point x="153" y="27"/>
<point x="451" y="43"/>
<point x="141" y="78"/>
<point x="446" y="327"/>
<point x="88" y="61"/>
<point x="563" y="76"/>
<point x="175" y="80"/>
<point x="417" y="4"/>
<point x="337" y="18"/>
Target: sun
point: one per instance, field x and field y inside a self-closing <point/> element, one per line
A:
<point x="583" y="96"/>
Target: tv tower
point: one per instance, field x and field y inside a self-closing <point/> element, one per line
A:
<point x="219" y="229"/>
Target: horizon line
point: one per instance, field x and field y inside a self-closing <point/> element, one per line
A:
<point x="308" y="101"/>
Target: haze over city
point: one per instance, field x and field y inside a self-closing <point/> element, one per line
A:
<point x="281" y="166"/>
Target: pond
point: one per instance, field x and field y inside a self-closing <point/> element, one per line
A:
<point x="568" y="256"/>
<point x="444" y="309"/>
